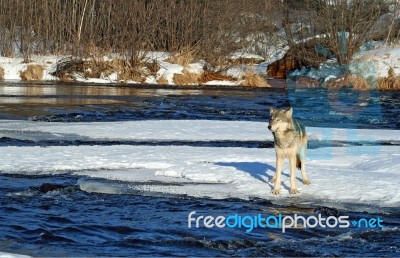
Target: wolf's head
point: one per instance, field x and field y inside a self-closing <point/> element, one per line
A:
<point x="280" y="119"/>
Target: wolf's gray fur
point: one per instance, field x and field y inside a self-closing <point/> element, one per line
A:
<point x="290" y="142"/>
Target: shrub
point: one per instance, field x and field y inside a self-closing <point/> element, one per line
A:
<point x="352" y="80"/>
<point x="214" y="76"/>
<point x="127" y="69"/>
<point x="184" y="57"/>
<point x="33" y="72"/>
<point x="186" y="78"/>
<point x="1" y="73"/>
<point x="8" y="53"/>
<point x="66" y="66"/>
<point x="358" y="82"/>
<point x="153" y="67"/>
<point x="391" y="82"/>
<point x="127" y="72"/>
<point x="162" y="80"/>
<point x="255" y="80"/>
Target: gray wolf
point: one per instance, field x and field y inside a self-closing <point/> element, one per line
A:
<point x="290" y="141"/>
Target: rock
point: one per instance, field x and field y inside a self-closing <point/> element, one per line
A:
<point x="279" y="68"/>
<point x="305" y="82"/>
<point x="48" y="187"/>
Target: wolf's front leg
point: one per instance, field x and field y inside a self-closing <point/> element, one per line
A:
<point x="273" y="179"/>
<point x="293" y="186"/>
<point x="277" y="177"/>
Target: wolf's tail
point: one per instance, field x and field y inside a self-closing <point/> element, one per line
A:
<point x="298" y="162"/>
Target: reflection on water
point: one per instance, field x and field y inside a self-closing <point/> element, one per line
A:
<point x="315" y="107"/>
<point x="121" y="102"/>
<point x="56" y="101"/>
<point x="21" y="89"/>
<point x="28" y="90"/>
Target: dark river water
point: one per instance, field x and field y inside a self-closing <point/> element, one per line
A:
<point x="48" y="215"/>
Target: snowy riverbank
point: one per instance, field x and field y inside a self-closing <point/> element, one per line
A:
<point x="371" y="63"/>
<point x="165" y="73"/>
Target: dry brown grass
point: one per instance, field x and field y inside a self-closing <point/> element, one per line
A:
<point x="128" y="72"/>
<point x="214" y="76"/>
<point x="153" y="67"/>
<point x="98" y="68"/>
<point x="134" y="70"/>
<point x="1" y="73"/>
<point x="353" y="80"/>
<point x="32" y="72"/>
<point x="65" y="78"/>
<point x="391" y="82"/>
<point x="385" y="83"/>
<point x="94" y="69"/>
<point x="162" y="81"/>
<point x="184" y="57"/>
<point x="186" y="78"/>
<point x="250" y="78"/>
<point x="7" y="53"/>
<point x="358" y="82"/>
<point x="396" y="83"/>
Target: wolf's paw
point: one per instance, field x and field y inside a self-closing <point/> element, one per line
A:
<point x="276" y="191"/>
<point x="273" y="180"/>
<point x="306" y="182"/>
<point x="294" y="191"/>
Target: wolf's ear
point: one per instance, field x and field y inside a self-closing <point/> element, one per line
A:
<point x="271" y="110"/>
<point x="289" y="112"/>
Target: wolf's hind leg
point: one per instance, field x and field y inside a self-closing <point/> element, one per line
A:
<point x="301" y="155"/>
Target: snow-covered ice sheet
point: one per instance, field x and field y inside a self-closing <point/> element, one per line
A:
<point x="10" y="255"/>
<point x="236" y="172"/>
<point x="355" y="174"/>
<point x="184" y="130"/>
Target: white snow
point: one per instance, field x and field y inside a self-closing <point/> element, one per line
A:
<point x="14" y="66"/>
<point x="242" y="54"/>
<point x="375" y="63"/>
<point x="168" y="71"/>
<point x="224" y="83"/>
<point x="10" y="255"/>
<point x="360" y="175"/>
<point x="372" y="62"/>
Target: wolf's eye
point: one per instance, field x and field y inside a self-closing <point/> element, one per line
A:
<point x="278" y="119"/>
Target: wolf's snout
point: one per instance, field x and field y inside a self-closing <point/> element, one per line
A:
<point x="269" y="127"/>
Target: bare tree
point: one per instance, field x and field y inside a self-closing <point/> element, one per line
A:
<point x="321" y="29"/>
